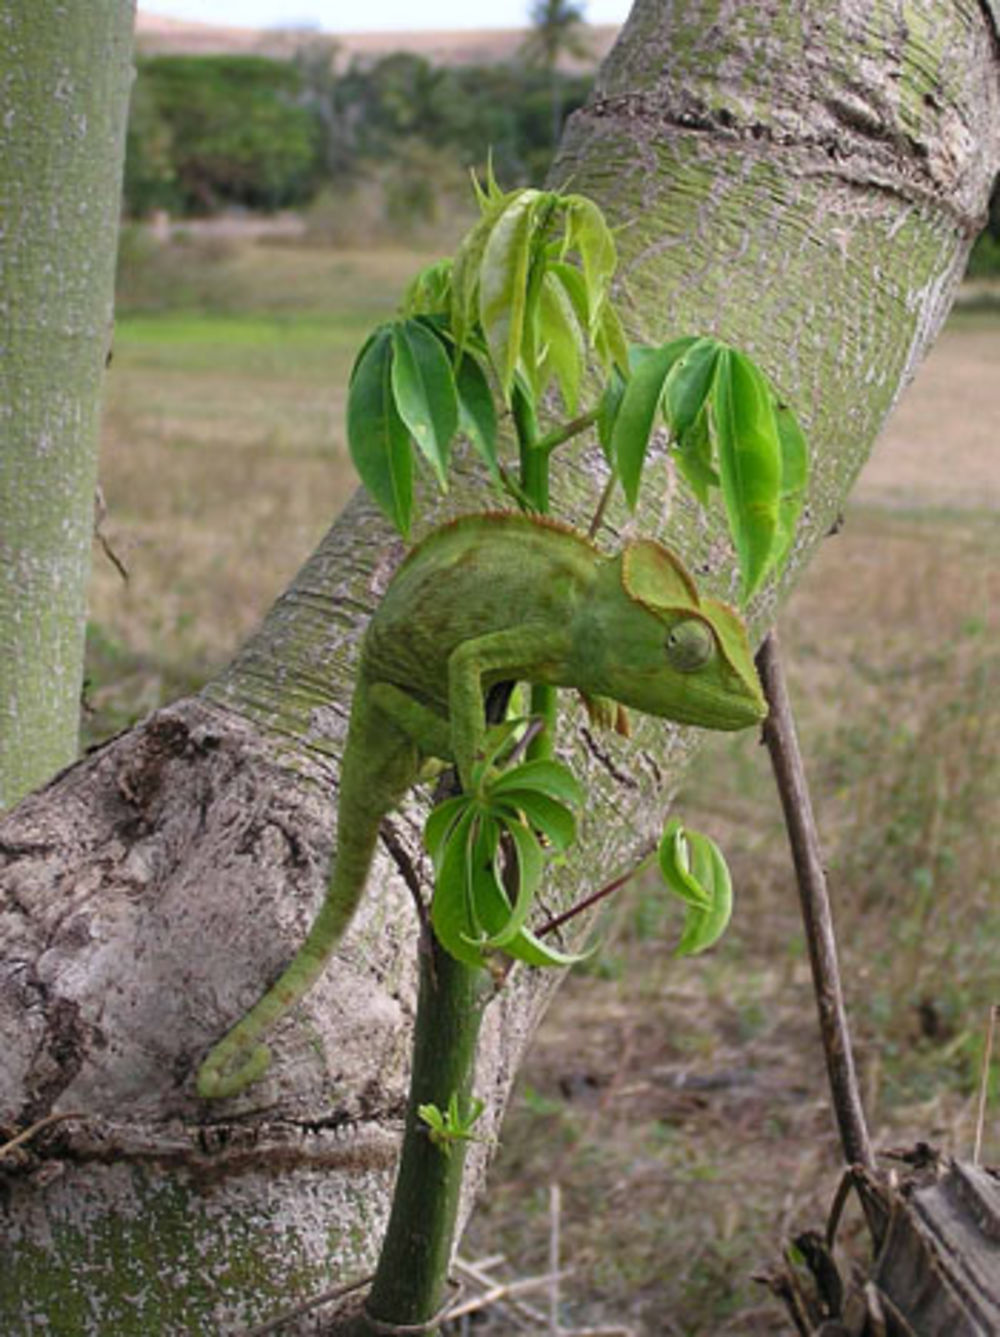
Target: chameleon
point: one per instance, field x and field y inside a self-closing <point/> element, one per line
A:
<point x="485" y="599"/>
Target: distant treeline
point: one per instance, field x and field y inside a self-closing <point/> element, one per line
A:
<point x="212" y="132"/>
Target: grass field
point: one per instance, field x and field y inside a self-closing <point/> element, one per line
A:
<point x="680" y="1105"/>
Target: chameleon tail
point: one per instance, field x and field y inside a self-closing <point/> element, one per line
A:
<point x="239" y="1059"/>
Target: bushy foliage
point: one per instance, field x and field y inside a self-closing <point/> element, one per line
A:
<point x="210" y="132"/>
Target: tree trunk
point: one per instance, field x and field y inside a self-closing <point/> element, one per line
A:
<point x="63" y="107"/>
<point x="803" y="180"/>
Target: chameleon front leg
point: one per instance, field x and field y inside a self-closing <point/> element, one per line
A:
<point x="526" y="653"/>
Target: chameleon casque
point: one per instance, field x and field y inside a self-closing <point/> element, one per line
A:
<point x="485" y="599"/>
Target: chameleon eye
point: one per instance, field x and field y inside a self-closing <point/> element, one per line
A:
<point x="690" y="645"/>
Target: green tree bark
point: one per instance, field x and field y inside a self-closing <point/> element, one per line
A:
<point x="787" y="177"/>
<point x="63" y="104"/>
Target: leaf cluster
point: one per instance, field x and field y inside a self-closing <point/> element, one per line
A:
<point x="509" y="317"/>
<point x="525" y="308"/>
<point x="728" y="430"/>
<point x="488" y="848"/>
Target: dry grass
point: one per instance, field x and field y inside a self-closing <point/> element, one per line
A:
<point x="681" y="1105"/>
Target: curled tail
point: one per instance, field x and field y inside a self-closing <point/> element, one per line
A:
<point x="379" y="766"/>
<point x="239" y="1059"/>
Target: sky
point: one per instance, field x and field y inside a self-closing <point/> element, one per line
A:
<point x="370" y="15"/>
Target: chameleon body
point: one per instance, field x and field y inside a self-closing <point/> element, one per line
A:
<point x="482" y="600"/>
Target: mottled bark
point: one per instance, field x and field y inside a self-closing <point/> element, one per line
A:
<point x="802" y="179"/>
<point x="66" y="73"/>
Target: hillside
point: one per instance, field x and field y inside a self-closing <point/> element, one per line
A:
<point x="156" y="35"/>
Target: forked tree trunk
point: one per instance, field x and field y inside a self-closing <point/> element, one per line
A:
<point x="66" y="72"/>
<point x="802" y="179"/>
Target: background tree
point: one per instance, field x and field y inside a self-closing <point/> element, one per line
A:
<point x="558" y="33"/>
<point x="63" y="103"/>
<point x="776" y="185"/>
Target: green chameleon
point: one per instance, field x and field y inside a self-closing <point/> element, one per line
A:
<point x="482" y="600"/>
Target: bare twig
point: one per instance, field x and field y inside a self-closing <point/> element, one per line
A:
<point x="480" y="1273"/>
<point x="500" y="1293"/>
<point x="984" y="1082"/>
<point x="596" y="896"/>
<point x="789" y="773"/>
<point x="555" y="1213"/>
<point x="37" y="1128"/>
<point x="307" y="1306"/>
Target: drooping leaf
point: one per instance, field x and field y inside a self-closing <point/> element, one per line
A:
<point x="688" y="384"/>
<point x="794" y="480"/>
<point x="704" y="927"/>
<point x="544" y="814"/>
<point x="610" y="343"/>
<point x="477" y="417"/>
<point x="694" y="869"/>
<point x="465" y="272"/>
<point x="588" y="234"/>
<point x="425" y="394"/>
<point x="694" y="459"/>
<point x="637" y="413"/>
<point x="527" y="876"/>
<point x="562" y="342"/>
<point x="748" y="450"/>
<point x="377" y="437"/>
<point x="441" y="822"/>
<point x="533" y="951"/>
<point x="607" y="411"/>
<point x="503" y="281"/>
<point x="547" y="776"/>
<point x="673" y="856"/>
<point x="451" y="906"/>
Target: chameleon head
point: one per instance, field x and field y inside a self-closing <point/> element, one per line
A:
<point x="666" y="650"/>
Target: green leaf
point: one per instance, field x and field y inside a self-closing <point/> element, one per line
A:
<point x="748" y="451"/>
<point x="694" y="869"/>
<point x="465" y="268"/>
<point x="688" y="385"/>
<point x="637" y="413"/>
<point x="503" y="281"/>
<point x="588" y="234"/>
<point x="429" y="291"/>
<point x="424" y="390"/>
<point x="377" y="437"/>
<point x="547" y="815"/>
<point x="441" y="822"/>
<point x="451" y="906"/>
<point x="610" y="342"/>
<point x="549" y="777"/>
<point x="794" y="480"/>
<point x="673" y="856"/>
<point x="694" y="459"/>
<point x="530" y="862"/>
<point x="704" y="927"/>
<point x="562" y="341"/>
<point x="533" y="952"/>
<point x="477" y="417"/>
<point x="607" y="411"/>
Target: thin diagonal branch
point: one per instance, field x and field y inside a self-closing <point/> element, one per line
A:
<point x="789" y="774"/>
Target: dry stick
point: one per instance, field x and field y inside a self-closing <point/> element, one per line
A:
<point x="984" y="1082"/>
<point x="789" y="774"/>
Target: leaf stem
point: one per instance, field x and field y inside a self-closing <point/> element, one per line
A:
<point x="560" y="435"/>
<point x="596" y="897"/>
